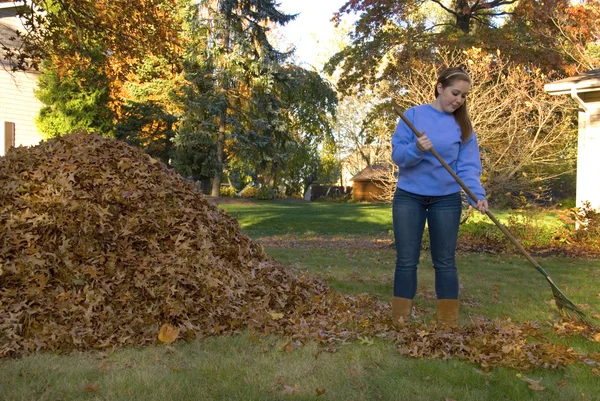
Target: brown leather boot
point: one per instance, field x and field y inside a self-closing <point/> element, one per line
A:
<point x="448" y="312"/>
<point x="401" y="310"/>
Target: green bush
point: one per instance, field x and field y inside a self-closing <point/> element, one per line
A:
<point x="266" y="193"/>
<point x="341" y="198"/>
<point x="249" y="192"/>
<point x="228" y="191"/>
<point x="528" y="227"/>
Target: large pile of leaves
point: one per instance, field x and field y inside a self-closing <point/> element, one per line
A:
<point x="101" y="246"/>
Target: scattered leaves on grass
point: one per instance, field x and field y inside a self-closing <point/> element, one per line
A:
<point x="571" y="327"/>
<point x="487" y="343"/>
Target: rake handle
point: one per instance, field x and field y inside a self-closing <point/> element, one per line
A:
<point x="473" y="196"/>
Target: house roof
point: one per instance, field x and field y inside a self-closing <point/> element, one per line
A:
<point x="374" y="172"/>
<point x="585" y="82"/>
<point x="8" y="4"/>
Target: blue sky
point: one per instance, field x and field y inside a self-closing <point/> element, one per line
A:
<point x="312" y="27"/>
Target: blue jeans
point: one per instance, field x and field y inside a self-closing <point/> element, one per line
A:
<point x="442" y="213"/>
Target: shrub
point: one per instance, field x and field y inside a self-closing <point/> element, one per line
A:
<point x="336" y="198"/>
<point x="228" y="191"/>
<point x="581" y="225"/>
<point x="249" y="192"/>
<point x="528" y="227"/>
<point x="266" y="193"/>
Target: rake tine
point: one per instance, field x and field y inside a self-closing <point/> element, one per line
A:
<point x="564" y="304"/>
<point x="561" y="300"/>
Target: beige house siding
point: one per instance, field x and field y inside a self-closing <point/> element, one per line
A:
<point x="588" y="151"/>
<point x="18" y="104"/>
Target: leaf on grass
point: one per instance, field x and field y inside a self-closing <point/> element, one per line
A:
<point x="104" y="365"/>
<point x="366" y="341"/>
<point x="167" y="334"/>
<point x="92" y="388"/>
<point x="596" y="372"/>
<point x="291" y="390"/>
<point x="481" y="372"/>
<point x="533" y="384"/>
<point x="320" y="391"/>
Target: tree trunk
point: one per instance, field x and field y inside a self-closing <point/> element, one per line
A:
<point x="271" y="179"/>
<point x="216" y="184"/>
<point x="224" y="84"/>
<point x="463" y="16"/>
<point x="463" y="22"/>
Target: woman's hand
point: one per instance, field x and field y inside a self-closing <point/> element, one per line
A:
<point x="482" y="206"/>
<point x="423" y="143"/>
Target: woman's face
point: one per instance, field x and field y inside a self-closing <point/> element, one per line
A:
<point x="452" y="96"/>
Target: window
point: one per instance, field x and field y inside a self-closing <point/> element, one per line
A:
<point x="9" y="136"/>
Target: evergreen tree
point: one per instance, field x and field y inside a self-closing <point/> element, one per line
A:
<point x="73" y="102"/>
<point x="232" y="66"/>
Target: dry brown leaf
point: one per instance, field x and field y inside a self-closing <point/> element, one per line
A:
<point x="93" y="388"/>
<point x="276" y="316"/>
<point x="533" y="384"/>
<point x="291" y="390"/>
<point x="167" y="333"/>
<point x="320" y="391"/>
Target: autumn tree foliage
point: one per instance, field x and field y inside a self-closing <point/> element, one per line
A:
<point x="123" y="29"/>
<point x="87" y="50"/>
<point x="527" y="137"/>
<point x="151" y="107"/>
<point x="396" y="49"/>
<point x="554" y="35"/>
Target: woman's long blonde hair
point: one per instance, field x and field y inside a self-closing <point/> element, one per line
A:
<point x="447" y="77"/>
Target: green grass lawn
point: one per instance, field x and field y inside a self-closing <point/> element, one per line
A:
<point x="348" y="245"/>
<point x="264" y="218"/>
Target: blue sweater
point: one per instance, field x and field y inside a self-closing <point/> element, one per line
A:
<point x="420" y="172"/>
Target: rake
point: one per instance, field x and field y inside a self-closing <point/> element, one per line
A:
<point x="563" y="303"/>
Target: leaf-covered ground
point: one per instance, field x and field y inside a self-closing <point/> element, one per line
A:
<point x="101" y="246"/>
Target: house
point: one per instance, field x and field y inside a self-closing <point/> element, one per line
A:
<point x="585" y="90"/>
<point x="374" y="183"/>
<point x="18" y="104"/>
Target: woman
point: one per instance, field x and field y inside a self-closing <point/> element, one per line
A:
<point x="427" y="192"/>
